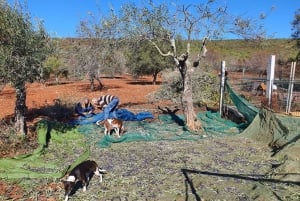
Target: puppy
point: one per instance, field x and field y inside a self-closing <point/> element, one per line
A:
<point x="112" y="124"/>
<point x="82" y="173"/>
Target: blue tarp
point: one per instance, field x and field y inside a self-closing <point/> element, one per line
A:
<point x="122" y="114"/>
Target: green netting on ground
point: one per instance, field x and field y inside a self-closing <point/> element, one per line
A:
<point x="48" y="160"/>
<point x="266" y="126"/>
<point x="213" y="124"/>
<point x="280" y="132"/>
<point x="166" y="127"/>
<point x="274" y="129"/>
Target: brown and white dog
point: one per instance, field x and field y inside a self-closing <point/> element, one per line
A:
<point x="82" y="173"/>
<point x="112" y="124"/>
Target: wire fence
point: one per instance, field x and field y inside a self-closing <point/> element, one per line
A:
<point x="254" y="90"/>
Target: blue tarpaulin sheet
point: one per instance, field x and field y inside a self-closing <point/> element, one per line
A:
<point x="122" y="114"/>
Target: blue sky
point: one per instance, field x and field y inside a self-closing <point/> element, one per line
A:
<point x="61" y="17"/>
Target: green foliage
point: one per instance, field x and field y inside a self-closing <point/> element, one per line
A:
<point x="22" y="47"/>
<point x="51" y="65"/>
<point x="205" y="86"/>
<point x="296" y="31"/>
<point x="296" y="25"/>
<point x="145" y="60"/>
<point x="250" y="53"/>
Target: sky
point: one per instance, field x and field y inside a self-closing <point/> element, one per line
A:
<point x="62" y="17"/>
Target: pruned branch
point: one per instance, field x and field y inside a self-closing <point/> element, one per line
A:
<point x="202" y="53"/>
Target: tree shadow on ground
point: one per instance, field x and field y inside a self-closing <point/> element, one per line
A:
<point x="248" y="177"/>
<point x="87" y="88"/>
<point x="131" y="104"/>
<point x="140" y="82"/>
<point x="57" y="112"/>
<point x="54" y="83"/>
<point x="112" y="77"/>
<point x="173" y="115"/>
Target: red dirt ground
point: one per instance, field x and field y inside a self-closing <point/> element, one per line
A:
<point x="130" y="91"/>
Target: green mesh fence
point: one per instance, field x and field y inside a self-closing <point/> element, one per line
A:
<point x="275" y="129"/>
<point x="244" y="107"/>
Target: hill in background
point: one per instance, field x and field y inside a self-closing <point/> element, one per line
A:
<point x="253" y="56"/>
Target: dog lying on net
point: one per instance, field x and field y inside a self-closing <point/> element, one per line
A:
<point x="82" y="173"/>
<point x="112" y="125"/>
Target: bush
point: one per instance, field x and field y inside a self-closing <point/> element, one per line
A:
<point x="205" y="85"/>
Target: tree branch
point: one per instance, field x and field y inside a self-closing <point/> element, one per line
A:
<point x="159" y="50"/>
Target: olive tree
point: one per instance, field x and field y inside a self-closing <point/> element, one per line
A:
<point x="144" y="60"/>
<point x="296" y="30"/>
<point x="23" y="48"/>
<point x="159" y="23"/>
<point x="101" y="51"/>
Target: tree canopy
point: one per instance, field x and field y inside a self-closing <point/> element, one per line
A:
<point x="296" y="25"/>
<point x="145" y="61"/>
<point x="296" y="30"/>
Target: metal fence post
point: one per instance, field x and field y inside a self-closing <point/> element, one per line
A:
<point x="290" y="89"/>
<point x="270" y="78"/>
<point x="222" y="87"/>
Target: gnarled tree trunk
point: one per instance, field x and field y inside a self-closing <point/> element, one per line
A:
<point x="20" y="110"/>
<point x="192" y="121"/>
<point x="185" y="68"/>
<point x="92" y="78"/>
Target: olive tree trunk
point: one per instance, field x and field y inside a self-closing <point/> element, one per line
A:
<point x="20" y="110"/>
<point x="185" y="68"/>
<point x="187" y="102"/>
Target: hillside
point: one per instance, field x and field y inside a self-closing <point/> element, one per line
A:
<point x="238" y="54"/>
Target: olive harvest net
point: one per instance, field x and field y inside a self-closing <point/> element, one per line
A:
<point x="266" y="126"/>
<point x="165" y="127"/>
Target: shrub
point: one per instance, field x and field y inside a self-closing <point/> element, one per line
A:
<point x="205" y="85"/>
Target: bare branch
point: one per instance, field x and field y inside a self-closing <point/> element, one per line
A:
<point x="203" y="49"/>
<point x="159" y="50"/>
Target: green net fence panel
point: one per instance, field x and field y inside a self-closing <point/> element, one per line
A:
<point x="275" y="129"/>
<point x="244" y="107"/>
